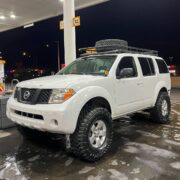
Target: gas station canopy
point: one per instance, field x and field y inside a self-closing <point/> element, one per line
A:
<point x="16" y="13"/>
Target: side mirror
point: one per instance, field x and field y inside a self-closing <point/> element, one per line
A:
<point x="125" y="73"/>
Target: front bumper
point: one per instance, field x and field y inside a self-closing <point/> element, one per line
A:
<point x="55" y="118"/>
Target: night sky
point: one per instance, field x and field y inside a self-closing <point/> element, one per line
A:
<point x="153" y="24"/>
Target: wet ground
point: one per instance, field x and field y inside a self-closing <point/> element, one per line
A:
<point x="141" y="150"/>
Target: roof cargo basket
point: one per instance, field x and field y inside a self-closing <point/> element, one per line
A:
<point x="111" y="46"/>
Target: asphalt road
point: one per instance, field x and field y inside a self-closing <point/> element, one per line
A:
<point x="141" y="150"/>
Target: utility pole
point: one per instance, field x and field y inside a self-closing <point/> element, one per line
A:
<point x="69" y="31"/>
<point x="171" y="59"/>
<point x="58" y="55"/>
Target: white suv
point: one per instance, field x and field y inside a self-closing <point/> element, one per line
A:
<point x="82" y="100"/>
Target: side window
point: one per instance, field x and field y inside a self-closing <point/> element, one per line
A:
<point x="162" y="66"/>
<point x="128" y="62"/>
<point x="151" y="63"/>
<point x="145" y="66"/>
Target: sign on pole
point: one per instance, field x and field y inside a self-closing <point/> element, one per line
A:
<point x="77" y="21"/>
<point x="61" y="25"/>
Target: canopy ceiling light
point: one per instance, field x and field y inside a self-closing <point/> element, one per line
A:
<point x="2" y="17"/>
<point x="12" y="16"/>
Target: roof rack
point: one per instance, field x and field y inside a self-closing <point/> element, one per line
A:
<point x="92" y="51"/>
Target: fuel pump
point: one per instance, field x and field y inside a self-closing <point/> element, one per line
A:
<point x="2" y="85"/>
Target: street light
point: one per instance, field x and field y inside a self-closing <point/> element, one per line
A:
<point x="2" y="17"/>
<point x="28" y="55"/>
<point x="171" y="59"/>
<point x="58" y="52"/>
<point x="13" y="16"/>
<point x="24" y="53"/>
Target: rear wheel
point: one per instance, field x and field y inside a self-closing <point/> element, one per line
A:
<point x="93" y="136"/>
<point x="161" y="112"/>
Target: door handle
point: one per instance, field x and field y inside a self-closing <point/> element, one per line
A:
<point x="140" y="83"/>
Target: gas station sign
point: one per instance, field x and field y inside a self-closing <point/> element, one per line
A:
<point x="77" y="21"/>
<point x="61" y="25"/>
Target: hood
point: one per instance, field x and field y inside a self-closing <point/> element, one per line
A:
<point x="58" y="81"/>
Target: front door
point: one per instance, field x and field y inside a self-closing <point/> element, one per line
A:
<point x="128" y="90"/>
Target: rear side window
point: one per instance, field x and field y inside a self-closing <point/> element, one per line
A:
<point x="147" y="66"/>
<point x="151" y="66"/>
<point x="163" y="69"/>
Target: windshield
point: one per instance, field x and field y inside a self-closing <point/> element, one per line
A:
<point x="94" y="65"/>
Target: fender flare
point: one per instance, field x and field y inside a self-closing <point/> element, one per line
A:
<point x="158" y="88"/>
<point x="81" y="98"/>
<point x="92" y="92"/>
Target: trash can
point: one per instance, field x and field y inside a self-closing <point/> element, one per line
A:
<point x="4" y="121"/>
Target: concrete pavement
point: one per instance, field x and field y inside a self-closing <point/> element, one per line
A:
<point x="141" y="150"/>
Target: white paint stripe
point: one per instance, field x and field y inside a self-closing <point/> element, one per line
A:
<point x="4" y="134"/>
<point x="176" y="112"/>
<point x="176" y="103"/>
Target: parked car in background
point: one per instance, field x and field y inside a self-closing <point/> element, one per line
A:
<point x="23" y="74"/>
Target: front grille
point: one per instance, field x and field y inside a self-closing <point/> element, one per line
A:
<point x="29" y="115"/>
<point x="32" y="96"/>
<point x="44" y="96"/>
<point x="29" y="98"/>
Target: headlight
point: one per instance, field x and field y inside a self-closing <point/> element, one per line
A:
<point x="59" y="96"/>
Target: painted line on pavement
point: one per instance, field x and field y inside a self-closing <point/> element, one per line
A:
<point x="4" y="134"/>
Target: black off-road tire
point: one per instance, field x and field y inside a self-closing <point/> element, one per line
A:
<point x="80" y="144"/>
<point x="156" y="112"/>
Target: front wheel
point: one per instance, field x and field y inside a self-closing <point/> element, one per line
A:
<point x="161" y="112"/>
<point x="93" y="136"/>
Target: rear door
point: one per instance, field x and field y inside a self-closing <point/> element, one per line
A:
<point x="164" y="74"/>
<point x="149" y="78"/>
